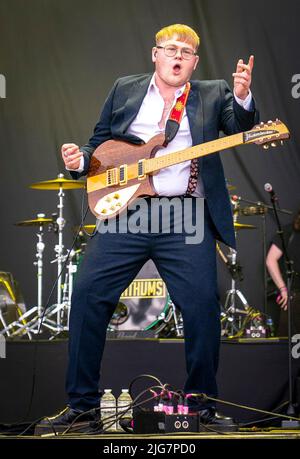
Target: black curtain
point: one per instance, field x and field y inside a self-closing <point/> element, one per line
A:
<point x="59" y="59"/>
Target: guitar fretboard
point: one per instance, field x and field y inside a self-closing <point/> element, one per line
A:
<point x="155" y="164"/>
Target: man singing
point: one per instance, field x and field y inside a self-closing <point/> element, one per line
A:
<point x="136" y="109"/>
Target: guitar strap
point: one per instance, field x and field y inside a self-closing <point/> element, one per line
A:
<point x="176" y="114"/>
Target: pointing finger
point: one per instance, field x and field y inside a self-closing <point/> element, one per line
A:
<point x="251" y="62"/>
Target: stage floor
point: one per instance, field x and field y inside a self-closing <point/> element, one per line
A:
<point x="114" y="441"/>
<point x="251" y="373"/>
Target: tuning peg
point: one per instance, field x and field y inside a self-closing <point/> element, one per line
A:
<point x="270" y="122"/>
<point x="273" y="144"/>
<point x="281" y="142"/>
<point x="262" y="123"/>
<point x="266" y="146"/>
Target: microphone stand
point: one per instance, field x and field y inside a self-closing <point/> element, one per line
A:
<point x="289" y="276"/>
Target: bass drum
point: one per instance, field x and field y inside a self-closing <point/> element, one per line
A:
<point x="145" y="304"/>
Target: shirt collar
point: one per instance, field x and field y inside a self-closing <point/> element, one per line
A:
<point x="153" y="87"/>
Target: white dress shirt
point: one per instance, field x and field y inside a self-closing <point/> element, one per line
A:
<point x="172" y="180"/>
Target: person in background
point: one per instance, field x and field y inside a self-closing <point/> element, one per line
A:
<point x="277" y="270"/>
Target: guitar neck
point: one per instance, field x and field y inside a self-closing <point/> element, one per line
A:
<point x="155" y="164"/>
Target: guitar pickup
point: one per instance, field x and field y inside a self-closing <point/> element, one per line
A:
<point x="112" y="177"/>
<point x="123" y="174"/>
<point x="141" y="169"/>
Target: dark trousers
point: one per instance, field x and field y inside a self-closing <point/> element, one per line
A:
<point x="110" y="264"/>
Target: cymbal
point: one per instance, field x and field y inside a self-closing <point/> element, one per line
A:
<point x="35" y="222"/>
<point x="59" y="182"/>
<point x="230" y="187"/>
<point x="253" y="210"/>
<point x="88" y="228"/>
<point x="239" y="226"/>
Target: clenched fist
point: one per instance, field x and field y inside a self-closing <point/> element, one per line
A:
<point x="71" y="155"/>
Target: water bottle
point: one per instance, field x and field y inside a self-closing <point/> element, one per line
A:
<point x="108" y="409"/>
<point x="270" y="327"/>
<point x="124" y="405"/>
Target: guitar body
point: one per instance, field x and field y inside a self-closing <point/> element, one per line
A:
<point x="108" y="201"/>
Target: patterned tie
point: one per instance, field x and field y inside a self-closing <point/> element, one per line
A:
<point x="193" y="176"/>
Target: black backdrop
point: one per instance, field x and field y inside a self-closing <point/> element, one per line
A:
<point x="59" y="59"/>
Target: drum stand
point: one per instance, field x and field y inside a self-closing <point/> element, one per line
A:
<point x="30" y="321"/>
<point x="61" y="309"/>
<point x="231" y="316"/>
<point x="55" y="317"/>
<point x="167" y="318"/>
<point x="68" y="283"/>
<point x="178" y="324"/>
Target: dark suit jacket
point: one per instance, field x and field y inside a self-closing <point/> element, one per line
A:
<point x="211" y="108"/>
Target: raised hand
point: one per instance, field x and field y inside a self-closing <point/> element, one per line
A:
<point x="242" y="78"/>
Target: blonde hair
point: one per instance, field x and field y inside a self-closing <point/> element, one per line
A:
<point x="179" y="31"/>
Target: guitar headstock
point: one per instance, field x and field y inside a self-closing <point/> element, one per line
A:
<point x="266" y="134"/>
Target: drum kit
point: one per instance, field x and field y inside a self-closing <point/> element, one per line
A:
<point x="145" y="306"/>
<point x="55" y="317"/>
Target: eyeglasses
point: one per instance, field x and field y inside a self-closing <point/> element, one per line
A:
<point x="171" y="51"/>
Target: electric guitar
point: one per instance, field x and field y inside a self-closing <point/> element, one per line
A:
<point x="121" y="172"/>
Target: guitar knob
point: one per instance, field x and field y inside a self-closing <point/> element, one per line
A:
<point x="116" y="196"/>
<point x="103" y="211"/>
<point x="108" y="199"/>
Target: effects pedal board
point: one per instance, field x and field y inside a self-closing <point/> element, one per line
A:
<point x="150" y="422"/>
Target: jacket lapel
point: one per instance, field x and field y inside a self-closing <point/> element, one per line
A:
<point x="194" y="109"/>
<point x="134" y="101"/>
